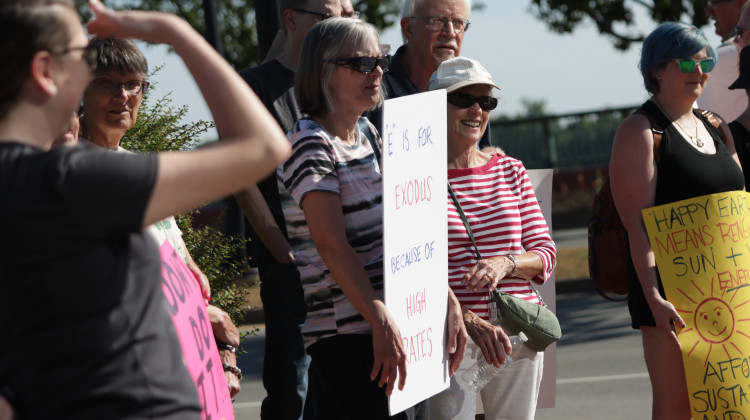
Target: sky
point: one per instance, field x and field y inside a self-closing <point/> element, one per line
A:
<point x="570" y="73"/>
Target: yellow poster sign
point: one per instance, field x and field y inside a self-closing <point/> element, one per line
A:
<point x="702" y="250"/>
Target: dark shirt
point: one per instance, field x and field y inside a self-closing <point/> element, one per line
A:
<point x="398" y="84"/>
<point x="274" y="85"/>
<point x="684" y="172"/>
<point x="742" y="144"/>
<point x="84" y="326"/>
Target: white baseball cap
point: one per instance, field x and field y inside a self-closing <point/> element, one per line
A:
<point x="458" y="72"/>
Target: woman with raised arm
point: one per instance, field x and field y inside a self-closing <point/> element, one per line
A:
<point x="691" y="160"/>
<point x="110" y="108"/>
<point x="84" y="330"/>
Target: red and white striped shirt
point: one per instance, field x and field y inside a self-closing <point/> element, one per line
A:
<point x="505" y="218"/>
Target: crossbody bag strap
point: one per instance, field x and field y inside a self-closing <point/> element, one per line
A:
<point x="471" y="236"/>
<point x="463" y="219"/>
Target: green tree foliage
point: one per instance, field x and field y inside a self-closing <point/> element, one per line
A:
<point x="380" y="13"/>
<point x="216" y="255"/>
<point x="615" y="18"/>
<point x="237" y="20"/>
<point x="160" y="127"/>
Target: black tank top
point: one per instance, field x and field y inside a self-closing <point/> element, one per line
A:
<point x="683" y="171"/>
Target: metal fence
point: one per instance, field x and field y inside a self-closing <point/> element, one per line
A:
<point x="562" y="142"/>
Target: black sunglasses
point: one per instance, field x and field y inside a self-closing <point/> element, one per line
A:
<point x="322" y="16"/>
<point x="464" y="100"/>
<point x="364" y="64"/>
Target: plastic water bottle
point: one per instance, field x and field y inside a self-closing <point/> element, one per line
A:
<point x="481" y="372"/>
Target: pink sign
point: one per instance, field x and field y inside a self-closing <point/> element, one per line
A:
<point x="193" y="327"/>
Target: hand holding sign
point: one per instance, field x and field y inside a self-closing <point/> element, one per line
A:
<point x="390" y="357"/>
<point x="702" y="249"/>
<point x="457" y="337"/>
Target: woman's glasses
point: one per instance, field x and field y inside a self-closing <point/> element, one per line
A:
<point x="110" y="87"/>
<point x="464" y="100"/>
<point x="688" y="65"/>
<point x="364" y="64"/>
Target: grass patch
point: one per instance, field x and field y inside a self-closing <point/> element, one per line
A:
<point x="572" y="263"/>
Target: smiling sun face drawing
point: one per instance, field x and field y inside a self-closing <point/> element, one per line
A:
<point x="714" y="320"/>
<point x="717" y="319"/>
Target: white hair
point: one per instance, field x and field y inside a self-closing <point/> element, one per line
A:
<point x="411" y="5"/>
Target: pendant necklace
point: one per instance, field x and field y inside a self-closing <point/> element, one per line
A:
<point x="698" y="142"/>
<point x="693" y="139"/>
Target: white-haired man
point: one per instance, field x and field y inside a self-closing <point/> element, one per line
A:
<point x="433" y="31"/>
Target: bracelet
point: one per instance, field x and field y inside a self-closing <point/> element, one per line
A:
<point x="223" y="346"/>
<point x="515" y="264"/>
<point x="234" y="369"/>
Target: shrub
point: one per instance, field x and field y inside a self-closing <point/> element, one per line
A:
<point x="160" y="127"/>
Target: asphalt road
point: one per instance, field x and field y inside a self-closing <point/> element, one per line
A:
<point x="600" y="370"/>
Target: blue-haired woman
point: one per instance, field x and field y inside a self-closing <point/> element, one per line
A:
<point x="692" y="160"/>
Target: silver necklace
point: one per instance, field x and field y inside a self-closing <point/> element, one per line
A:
<point x="698" y="142"/>
<point x="693" y="139"/>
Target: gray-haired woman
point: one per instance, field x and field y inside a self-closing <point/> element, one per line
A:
<point x="335" y="220"/>
<point x="111" y="105"/>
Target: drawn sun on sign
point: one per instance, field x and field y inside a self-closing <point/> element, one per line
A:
<point x="711" y="320"/>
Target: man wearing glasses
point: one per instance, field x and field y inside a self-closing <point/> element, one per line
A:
<point x="433" y="31"/>
<point x="285" y="365"/>
<point x="716" y="95"/>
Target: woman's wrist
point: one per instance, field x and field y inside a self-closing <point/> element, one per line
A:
<point x="467" y="314"/>
<point x="514" y="264"/>
<point x="377" y="313"/>
<point x="653" y="298"/>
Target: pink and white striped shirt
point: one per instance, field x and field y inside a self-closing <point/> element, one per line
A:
<point x="505" y="218"/>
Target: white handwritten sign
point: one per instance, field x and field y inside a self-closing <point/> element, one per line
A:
<point x="416" y="238"/>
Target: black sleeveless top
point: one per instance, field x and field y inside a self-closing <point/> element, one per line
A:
<point x="682" y="172"/>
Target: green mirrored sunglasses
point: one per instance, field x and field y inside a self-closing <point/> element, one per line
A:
<point x="688" y="65"/>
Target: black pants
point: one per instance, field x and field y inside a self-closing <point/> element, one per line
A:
<point x="342" y="366"/>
